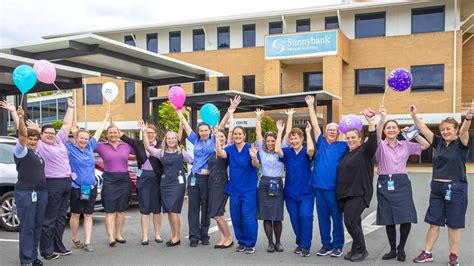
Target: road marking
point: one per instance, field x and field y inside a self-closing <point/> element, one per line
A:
<point x="368" y="226"/>
<point x="9" y="240"/>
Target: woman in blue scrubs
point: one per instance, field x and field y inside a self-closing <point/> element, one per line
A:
<point x="242" y="189"/>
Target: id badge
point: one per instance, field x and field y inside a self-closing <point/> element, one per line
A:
<point x="448" y="193"/>
<point x="390" y="185"/>
<point x="192" y="182"/>
<point x="180" y="179"/>
<point x="34" y="197"/>
<point x="139" y="172"/>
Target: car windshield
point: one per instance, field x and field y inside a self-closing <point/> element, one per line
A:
<point x="6" y="153"/>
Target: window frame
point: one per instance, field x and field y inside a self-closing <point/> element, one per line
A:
<point x="424" y="9"/>
<point x="222" y="30"/>
<point x="203" y="40"/>
<point x="254" y="83"/>
<point x="254" y="35"/>
<point x="326" y="22"/>
<point x="371" y="14"/>
<point x="219" y="79"/>
<point x="420" y="88"/>
<point x="303" y="20"/>
<point x="356" y="81"/>
<point x="126" y="89"/>
<point x="203" y="87"/>
<point x="148" y="40"/>
<point x="275" y="23"/>
<point x="169" y="39"/>
<point x="306" y="87"/>
<point x="88" y="89"/>
<point x="133" y="38"/>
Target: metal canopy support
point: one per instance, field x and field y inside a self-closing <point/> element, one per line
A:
<point x="145" y="102"/>
<point x="3" y="119"/>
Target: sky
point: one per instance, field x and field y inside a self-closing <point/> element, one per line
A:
<point x="28" y="20"/>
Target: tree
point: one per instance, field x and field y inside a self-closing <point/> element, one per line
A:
<point x="57" y="124"/>
<point x="167" y="119"/>
<point x="268" y="124"/>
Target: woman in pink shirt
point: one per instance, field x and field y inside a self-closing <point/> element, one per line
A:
<point x="394" y="193"/>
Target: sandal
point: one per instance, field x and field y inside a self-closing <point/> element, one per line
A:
<point x="77" y="244"/>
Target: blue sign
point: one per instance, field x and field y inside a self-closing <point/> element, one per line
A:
<point x="301" y="45"/>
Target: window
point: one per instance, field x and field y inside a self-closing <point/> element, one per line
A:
<point x="48" y="111"/>
<point x="153" y="91"/>
<point x="427" y="19"/>
<point x="175" y="41"/>
<point x="129" y="92"/>
<point x="62" y="107"/>
<point x="223" y="37"/>
<point x="370" y="81"/>
<point x="152" y="42"/>
<point x="427" y="78"/>
<point x="248" y="35"/>
<point x="129" y="39"/>
<point x="331" y="23"/>
<point x="313" y="81"/>
<point x="275" y="27"/>
<point x="370" y="25"/>
<point x="198" y="40"/>
<point x="248" y="83"/>
<point x="34" y="111"/>
<point x="172" y="85"/>
<point x="303" y="25"/>
<point x="6" y="151"/>
<point x="223" y="83"/>
<point x="198" y="87"/>
<point x="94" y="94"/>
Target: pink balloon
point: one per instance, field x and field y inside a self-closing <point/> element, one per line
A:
<point x="45" y="71"/>
<point x="177" y="97"/>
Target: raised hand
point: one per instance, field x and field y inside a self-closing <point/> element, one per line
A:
<point x="70" y="103"/>
<point x="234" y="103"/>
<point x="309" y="100"/>
<point x="142" y="125"/>
<point x="382" y="110"/>
<point x="20" y="111"/>
<point x="369" y="119"/>
<point x="74" y="128"/>
<point x="470" y="111"/>
<point x="413" y="110"/>
<point x="308" y="127"/>
<point x="280" y="125"/>
<point x="7" y="106"/>
<point x="259" y="112"/>
<point x="33" y="125"/>
<point x="290" y="111"/>
<point x="253" y="151"/>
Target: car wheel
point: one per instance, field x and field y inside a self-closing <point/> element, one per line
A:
<point x="8" y="216"/>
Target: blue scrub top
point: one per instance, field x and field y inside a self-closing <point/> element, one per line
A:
<point x="203" y="150"/>
<point x="298" y="175"/>
<point x="327" y="159"/>
<point x="243" y="176"/>
<point x="82" y="163"/>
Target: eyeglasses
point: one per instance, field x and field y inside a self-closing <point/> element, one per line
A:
<point x="49" y="133"/>
<point x="331" y="130"/>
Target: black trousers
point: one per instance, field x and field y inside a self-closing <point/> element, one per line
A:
<point x="198" y="198"/>
<point x="51" y="240"/>
<point x="352" y="209"/>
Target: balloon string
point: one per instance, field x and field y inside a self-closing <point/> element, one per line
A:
<point x="385" y="92"/>
<point x="21" y="101"/>
<point x="58" y="88"/>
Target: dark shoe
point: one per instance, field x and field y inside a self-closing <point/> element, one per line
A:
<point x="171" y="244"/>
<point x="279" y="247"/>
<point x="423" y="257"/>
<point x="297" y="250"/>
<point x="271" y="248"/>
<point x="145" y="242"/>
<point x="112" y="244"/>
<point x="64" y="252"/>
<point x="240" y="248"/>
<point x="249" y="250"/>
<point x="218" y="246"/>
<point x="337" y="252"/>
<point x="391" y="255"/>
<point x="193" y="243"/>
<point x="453" y="260"/>
<point x="228" y="246"/>
<point x="401" y="256"/>
<point x="37" y="262"/>
<point x="53" y="256"/>
<point x="359" y="256"/>
<point x="305" y="252"/>
<point x="158" y="240"/>
<point x="205" y="242"/>
<point x="324" y="251"/>
<point x="121" y="241"/>
<point x="348" y="256"/>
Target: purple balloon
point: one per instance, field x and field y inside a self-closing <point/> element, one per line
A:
<point x="350" y="122"/>
<point x="399" y="80"/>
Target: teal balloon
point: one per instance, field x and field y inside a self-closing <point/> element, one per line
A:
<point x="210" y="114"/>
<point x="24" y="78"/>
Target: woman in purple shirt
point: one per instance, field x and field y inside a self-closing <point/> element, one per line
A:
<point x="117" y="184"/>
<point x="394" y="194"/>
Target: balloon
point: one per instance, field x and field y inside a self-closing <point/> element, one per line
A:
<point x="350" y="122"/>
<point x="45" y="71"/>
<point x="109" y="91"/>
<point x="24" y="78"/>
<point x="177" y="97"/>
<point x="399" y="79"/>
<point x="210" y="114"/>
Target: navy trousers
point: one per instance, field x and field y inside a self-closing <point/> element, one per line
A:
<point x="243" y="212"/>
<point x="31" y="216"/>
<point x="51" y="240"/>
<point x="328" y="210"/>
<point x="301" y="217"/>
<point x="198" y="198"/>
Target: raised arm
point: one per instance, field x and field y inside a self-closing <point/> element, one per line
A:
<point x="289" y="123"/>
<point x="258" y="128"/>
<point x="11" y="108"/>
<point x="309" y="141"/>
<point x="312" y="116"/>
<point x="231" y="129"/>
<point x="280" y="125"/>
<point x="69" y="116"/>
<point x="234" y="103"/>
<point x="427" y="133"/>
<point x="464" y="131"/>
<point x="253" y="154"/>
<point x="101" y="127"/>
<point x="383" y="117"/>
<point x="371" y="144"/>
<point x="219" y="151"/>
<point x="22" y="133"/>
<point x="184" y="122"/>
<point x="181" y="128"/>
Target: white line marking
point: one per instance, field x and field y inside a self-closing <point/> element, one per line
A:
<point x="9" y="240"/>
<point x="368" y="226"/>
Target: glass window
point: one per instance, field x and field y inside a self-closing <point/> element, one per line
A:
<point x="223" y="37"/>
<point x="427" y="19"/>
<point x="249" y="35"/>
<point x="62" y="107"/>
<point x="48" y="111"/>
<point x="6" y="153"/>
<point x="369" y="81"/>
<point x="331" y="23"/>
<point x="313" y="81"/>
<point x="153" y="91"/>
<point x="175" y="41"/>
<point x="223" y="83"/>
<point x="152" y="42"/>
<point x="198" y="87"/>
<point x="427" y="78"/>
<point x="303" y="25"/>
<point x="129" y="39"/>
<point x="94" y="94"/>
<point x="248" y="83"/>
<point x="370" y="25"/>
<point x="198" y="40"/>
<point x="129" y="92"/>
<point x="34" y="111"/>
<point x="275" y="27"/>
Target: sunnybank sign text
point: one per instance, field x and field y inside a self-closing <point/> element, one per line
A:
<point x="301" y="45"/>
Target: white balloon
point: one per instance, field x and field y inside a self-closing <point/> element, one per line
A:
<point x="109" y="91"/>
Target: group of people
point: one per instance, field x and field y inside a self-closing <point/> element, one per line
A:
<point x="55" y="172"/>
